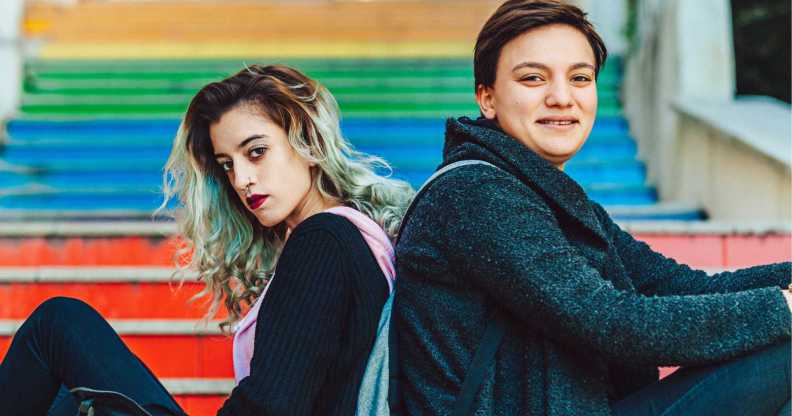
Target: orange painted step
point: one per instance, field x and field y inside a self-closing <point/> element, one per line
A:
<point x="195" y="405"/>
<point x="120" y="300"/>
<point x="203" y="356"/>
<point x="703" y="250"/>
<point x="84" y="251"/>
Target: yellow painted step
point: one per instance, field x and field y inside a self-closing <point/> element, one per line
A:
<point x="190" y="22"/>
<point x="291" y="49"/>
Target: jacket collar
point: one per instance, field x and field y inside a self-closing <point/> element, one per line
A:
<point x="491" y="144"/>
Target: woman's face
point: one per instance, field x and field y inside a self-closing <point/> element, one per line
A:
<point x="544" y="94"/>
<point x="272" y="180"/>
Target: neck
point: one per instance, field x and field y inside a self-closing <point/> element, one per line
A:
<point x="313" y="203"/>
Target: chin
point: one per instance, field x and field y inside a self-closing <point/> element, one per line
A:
<point x="268" y="221"/>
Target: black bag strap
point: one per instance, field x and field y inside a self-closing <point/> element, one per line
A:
<point x="485" y="355"/>
<point x="490" y="342"/>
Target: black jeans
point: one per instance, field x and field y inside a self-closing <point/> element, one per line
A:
<point x="64" y="344"/>
<point x="757" y="384"/>
<point x="67" y="343"/>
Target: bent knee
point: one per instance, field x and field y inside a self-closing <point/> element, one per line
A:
<point x="62" y="307"/>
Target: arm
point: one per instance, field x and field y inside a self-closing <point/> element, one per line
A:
<point x="298" y="331"/>
<point x="504" y="240"/>
<point x="654" y="274"/>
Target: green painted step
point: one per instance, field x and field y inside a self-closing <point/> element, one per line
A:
<point x="373" y="98"/>
<point x="336" y="86"/>
<point x="48" y="76"/>
<point x="612" y="66"/>
<point x="348" y="109"/>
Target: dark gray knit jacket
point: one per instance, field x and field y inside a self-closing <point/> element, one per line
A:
<point x="591" y="312"/>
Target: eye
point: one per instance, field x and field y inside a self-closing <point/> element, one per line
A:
<point x="532" y="78"/>
<point x="226" y="165"/>
<point x="581" y="78"/>
<point x="257" y="152"/>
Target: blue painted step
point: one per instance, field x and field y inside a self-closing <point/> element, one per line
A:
<point x="165" y="129"/>
<point x="119" y="197"/>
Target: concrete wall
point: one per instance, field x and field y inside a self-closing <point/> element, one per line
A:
<point x="730" y="165"/>
<point x="702" y="151"/>
<point x="10" y="55"/>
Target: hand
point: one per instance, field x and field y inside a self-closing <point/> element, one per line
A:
<point x="788" y="296"/>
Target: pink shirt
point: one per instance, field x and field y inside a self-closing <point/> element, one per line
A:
<point x="380" y="246"/>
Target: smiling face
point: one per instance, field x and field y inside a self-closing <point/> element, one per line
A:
<point x="271" y="179"/>
<point x="545" y="93"/>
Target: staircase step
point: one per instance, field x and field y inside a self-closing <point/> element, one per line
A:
<point x="198" y="386"/>
<point x="701" y="244"/>
<point x="85" y="244"/>
<point x="363" y="131"/>
<point x="366" y="109"/>
<point x="166" y="69"/>
<point x="656" y="212"/>
<point x="148" y="198"/>
<point x="188" y="75"/>
<point x="29" y="153"/>
<point x="170" y="348"/>
<point x="116" y="292"/>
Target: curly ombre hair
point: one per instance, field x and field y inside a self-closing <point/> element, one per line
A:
<point x="233" y="254"/>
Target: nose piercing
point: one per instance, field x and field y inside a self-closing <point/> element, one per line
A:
<point x="247" y="187"/>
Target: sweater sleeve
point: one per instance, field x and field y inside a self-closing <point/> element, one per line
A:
<point x="502" y="238"/>
<point x="654" y="274"/>
<point x="298" y="331"/>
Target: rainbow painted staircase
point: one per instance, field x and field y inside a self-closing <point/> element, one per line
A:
<point x="81" y="164"/>
<point x="92" y="136"/>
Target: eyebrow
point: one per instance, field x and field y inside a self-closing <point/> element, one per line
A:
<point x="243" y="143"/>
<point x="547" y="68"/>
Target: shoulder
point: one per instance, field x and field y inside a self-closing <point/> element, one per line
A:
<point x="325" y="223"/>
<point x="474" y="187"/>
<point x="334" y="231"/>
<point x="473" y="202"/>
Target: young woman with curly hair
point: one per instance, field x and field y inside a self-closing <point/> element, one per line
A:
<point x="281" y="218"/>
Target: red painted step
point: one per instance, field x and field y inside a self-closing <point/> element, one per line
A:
<point x="722" y="251"/>
<point x="87" y="251"/>
<point x="703" y="248"/>
<point x="196" y="405"/>
<point x="142" y="289"/>
<point x="112" y="300"/>
<point x="204" y="356"/>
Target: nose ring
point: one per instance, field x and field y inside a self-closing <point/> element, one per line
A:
<point x="247" y="187"/>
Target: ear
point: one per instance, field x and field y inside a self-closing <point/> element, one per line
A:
<point x="486" y="101"/>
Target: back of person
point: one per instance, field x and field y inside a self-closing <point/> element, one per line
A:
<point x="441" y="317"/>
<point x="588" y="313"/>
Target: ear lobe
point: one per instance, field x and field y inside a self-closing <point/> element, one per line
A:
<point x="486" y="101"/>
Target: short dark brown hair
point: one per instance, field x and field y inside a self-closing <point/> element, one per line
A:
<point x="515" y="17"/>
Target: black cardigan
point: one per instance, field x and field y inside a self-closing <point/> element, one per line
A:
<point x="316" y="326"/>
<point x="591" y="312"/>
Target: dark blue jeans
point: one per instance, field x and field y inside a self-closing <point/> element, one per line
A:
<point x="64" y="344"/>
<point x="757" y="384"/>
